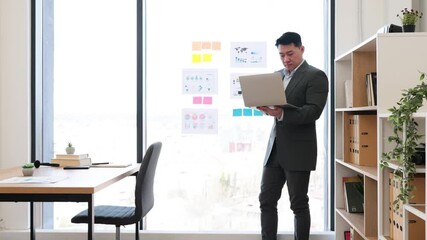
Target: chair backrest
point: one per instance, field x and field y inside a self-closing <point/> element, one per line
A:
<point x="144" y="195"/>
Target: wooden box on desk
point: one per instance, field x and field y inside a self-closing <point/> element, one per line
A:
<point x="360" y="136"/>
<point x="416" y="225"/>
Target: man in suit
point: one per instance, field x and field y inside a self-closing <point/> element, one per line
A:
<point x="292" y="148"/>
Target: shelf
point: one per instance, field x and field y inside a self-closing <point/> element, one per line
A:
<point x="415" y="115"/>
<point x="419" y="168"/>
<point x="371" y="238"/>
<point x="354" y="219"/>
<point x="370" y="172"/>
<point x="369" y="45"/>
<point x="357" y="109"/>
<point x="417" y="209"/>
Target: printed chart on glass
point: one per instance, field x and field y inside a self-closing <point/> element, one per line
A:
<point x="200" y="121"/>
<point x="248" y="54"/>
<point x="200" y="81"/>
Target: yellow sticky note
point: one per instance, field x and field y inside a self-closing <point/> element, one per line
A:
<point x="196" y="58"/>
<point x="207" y="57"/>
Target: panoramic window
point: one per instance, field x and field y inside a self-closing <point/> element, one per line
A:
<point x="208" y="175"/>
<point x="89" y="90"/>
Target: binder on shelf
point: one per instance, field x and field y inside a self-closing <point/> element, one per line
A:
<point x="416" y="225"/>
<point x="362" y="138"/>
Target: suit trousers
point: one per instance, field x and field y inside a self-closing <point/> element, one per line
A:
<point x="273" y="179"/>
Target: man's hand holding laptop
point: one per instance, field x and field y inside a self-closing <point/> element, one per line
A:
<point x="271" y="111"/>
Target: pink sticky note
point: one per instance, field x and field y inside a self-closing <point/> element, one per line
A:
<point x="197" y="100"/>
<point x="207" y="100"/>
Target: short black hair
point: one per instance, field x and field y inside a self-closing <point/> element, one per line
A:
<point x="289" y="38"/>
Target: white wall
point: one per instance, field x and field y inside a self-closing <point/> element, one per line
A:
<point x="357" y="20"/>
<point x="14" y="99"/>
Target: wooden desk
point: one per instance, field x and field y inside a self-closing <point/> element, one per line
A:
<point x="77" y="186"/>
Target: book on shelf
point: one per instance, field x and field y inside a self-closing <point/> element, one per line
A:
<point x="353" y="194"/>
<point x="347" y="235"/>
<point x="349" y="179"/>
<point x="374" y="87"/>
<point x="368" y="89"/>
<point x="371" y="88"/>
<point x="348" y="85"/>
<point x="72" y="156"/>
<point x="72" y="162"/>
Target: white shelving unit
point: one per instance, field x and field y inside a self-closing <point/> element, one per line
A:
<point x="393" y="77"/>
<point x="397" y="58"/>
<point x="354" y="65"/>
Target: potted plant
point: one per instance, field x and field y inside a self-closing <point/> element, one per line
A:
<point x="28" y="169"/>
<point x="406" y="138"/>
<point x="70" y="149"/>
<point x="409" y="18"/>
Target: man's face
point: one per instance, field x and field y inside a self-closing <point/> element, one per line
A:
<point x="290" y="55"/>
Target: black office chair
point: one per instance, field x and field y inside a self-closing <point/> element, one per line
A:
<point x="144" y="198"/>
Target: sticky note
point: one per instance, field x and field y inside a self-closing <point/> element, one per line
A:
<point x="206" y="45"/>
<point x="237" y="112"/>
<point x="196" y="58"/>
<point x="247" y="112"/>
<point x="257" y="113"/>
<point x="216" y="46"/>
<point x="207" y="57"/>
<point x="207" y="100"/>
<point x="197" y="46"/>
<point x="197" y="100"/>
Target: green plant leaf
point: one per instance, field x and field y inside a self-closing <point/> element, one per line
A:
<point x="402" y="121"/>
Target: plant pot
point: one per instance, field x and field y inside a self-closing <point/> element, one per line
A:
<point x="28" y="171"/>
<point x="408" y="28"/>
<point x="70" y="150"/>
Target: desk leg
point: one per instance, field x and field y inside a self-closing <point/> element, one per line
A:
<point x="32" y="229"/>
<point x="91" y="216"/>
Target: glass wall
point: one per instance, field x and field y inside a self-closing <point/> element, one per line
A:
<point x="208" y="177"/>
<point x="209" y="171"/>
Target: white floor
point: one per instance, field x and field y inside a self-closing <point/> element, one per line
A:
<point x="55" y="235"/>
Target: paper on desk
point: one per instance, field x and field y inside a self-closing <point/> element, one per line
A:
<point x="111" y="165"/>
<point x="32" y="179"/>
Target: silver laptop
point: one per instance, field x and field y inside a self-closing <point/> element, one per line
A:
<point x="263" y="90"/>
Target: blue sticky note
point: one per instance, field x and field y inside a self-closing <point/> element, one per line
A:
<point x="257" y="113"/>
<point x="237" y="112"/>
<point x="247" y="112"/>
